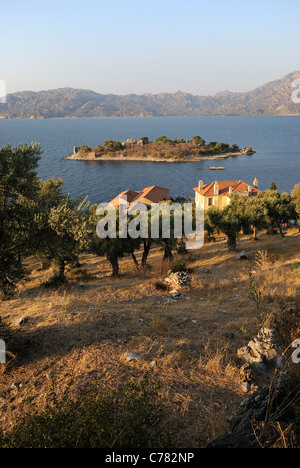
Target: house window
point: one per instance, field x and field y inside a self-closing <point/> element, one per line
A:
<point x="210" y="201"/>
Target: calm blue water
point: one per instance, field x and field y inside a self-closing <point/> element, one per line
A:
<point x="276" y="140"/>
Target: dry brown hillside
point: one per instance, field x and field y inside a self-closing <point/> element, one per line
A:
<point x="83" y="330"/>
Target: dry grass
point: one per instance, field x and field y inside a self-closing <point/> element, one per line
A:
<point x="83" y="332"/>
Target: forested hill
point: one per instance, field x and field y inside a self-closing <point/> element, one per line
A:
<point x="274" y="98"/>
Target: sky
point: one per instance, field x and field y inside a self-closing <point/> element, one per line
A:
<point x="137" y="46"/>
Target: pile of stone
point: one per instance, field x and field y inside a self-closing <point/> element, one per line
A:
<point x="241" y="435"/>
<point x="275" y="406"/>
<point x="177" y="280"/>
<point x="261" y="353"/>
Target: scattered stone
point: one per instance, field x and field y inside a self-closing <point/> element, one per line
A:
<point x="177" y="280"/>
<point x="132" y="356"/>
<point x="246" y="387"/>
<point x="246" y="373"/>
<point x="21" y="321"/>
<point x="234" y="298"/>
<point x="242" y="256"/>
<point x="50" y="375"/>
<point x="16" y="385"/>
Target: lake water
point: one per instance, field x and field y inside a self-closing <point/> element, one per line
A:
<point x="276" y="141"/>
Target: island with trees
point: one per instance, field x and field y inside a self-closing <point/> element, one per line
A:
<point x="162" y="149"/>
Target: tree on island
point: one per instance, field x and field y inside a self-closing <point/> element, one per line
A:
<point x="163" y="139"/>
<point x="197" y="140"/>
<point x="113" y="145"/>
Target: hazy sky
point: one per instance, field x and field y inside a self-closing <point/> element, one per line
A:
<point x="130" y="46"/>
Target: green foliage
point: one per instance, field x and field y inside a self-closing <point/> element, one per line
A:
<point x="85" y="149"/>
<point x="61" y="227"/>
<point x="113" y="248"/>
<point x="233" y="219"/>
<point x="100" y="149"/>
<point x="278" y="208"/>
<point x="18" y="189"/>
<point x="179" y="264"/>
<point x="163" y="139"/>
<point x="273" y="186"/>
<point x="178" y="140"/>
<point x="113" y="145"/>
<point x="145" y="140"/>
<point x="197" y="140"/>
<point x="212" y="220"/>
<point x="129" y="417"/>
<point x="221" y="147"/>
<point x="296" y="198"/>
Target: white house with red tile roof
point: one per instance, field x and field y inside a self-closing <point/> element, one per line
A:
<point x="147" y="196"/>
<point x="218" y="193"/>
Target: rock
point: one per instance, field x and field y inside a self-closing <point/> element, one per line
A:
<point x="242" y="256"/>
<point x="234" y="298"/>
<point x="261" y="353"/>
<point x="21" y="321"/>
<point x="246" y="387"/>
<point x="278" y="403"/>
<point x="132" y="356"/>
<point x="16" y="385"/>
<point x="177" y="280"/>
<point x="246" y="373"/>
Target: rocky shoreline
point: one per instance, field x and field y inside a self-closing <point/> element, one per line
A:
<point x="92" y="157"/>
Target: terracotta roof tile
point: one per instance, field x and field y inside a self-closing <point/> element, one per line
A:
<point x="237" y="186"/>
<point x="152" y="194"/>
<point x="130" y="194"/>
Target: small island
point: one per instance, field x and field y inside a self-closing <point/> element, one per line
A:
<point x="161" y="150"/>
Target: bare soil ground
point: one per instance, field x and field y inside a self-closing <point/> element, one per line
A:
<point x="82" y="331"/>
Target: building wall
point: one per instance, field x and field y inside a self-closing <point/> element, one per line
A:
<point x="217" y="201"/>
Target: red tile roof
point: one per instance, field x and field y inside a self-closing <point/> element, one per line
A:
<point x="237" y="186"/>
<point x="153" y="194"/>
<point x="130" y="194"/>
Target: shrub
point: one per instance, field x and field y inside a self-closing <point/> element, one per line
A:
<point x="130" y="417"/>
<point x="113" y="145"/>
<point x="179" y="264"/>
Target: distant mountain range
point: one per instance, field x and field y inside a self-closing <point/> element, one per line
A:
<point x="274" y="98"/>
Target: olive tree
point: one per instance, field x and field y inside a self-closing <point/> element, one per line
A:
<point x="18" y="192"/>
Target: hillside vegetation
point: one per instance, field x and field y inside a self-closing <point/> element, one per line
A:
<point x="82" y="331"/>
<point x="73" y="305"/>
<point x="274" y="98"/>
